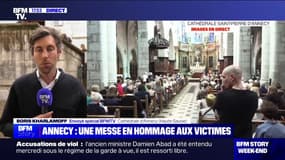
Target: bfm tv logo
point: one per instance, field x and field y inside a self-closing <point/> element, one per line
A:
<point x="20" y="13"/>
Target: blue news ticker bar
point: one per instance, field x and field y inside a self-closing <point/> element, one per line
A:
<point x="194" y="153"/>
<point x="151" y="10"/>
<point x="109" y="131"/>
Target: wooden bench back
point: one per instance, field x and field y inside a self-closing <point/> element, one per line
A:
<point x="123" y="108"/>
<point x="115" y="115"/>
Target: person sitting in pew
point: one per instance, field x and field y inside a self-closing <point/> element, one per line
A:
<point x="150" y="90"/>
<point x="112" y="96"/>
<point x="275" y="97"/>
<point x="260" y="101"/>
<point x="206" y="106"/>
<point x="271" y="128"/>
<point x="142" y="93"/>
<point x="96" y="107"/>
<point x="128" y="100"/>
<point x="160" y="91"/>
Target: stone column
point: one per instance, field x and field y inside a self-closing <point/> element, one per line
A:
<point x="236" y="45"/>
<point x="221" y="53"/>
<point x="244" y="52"/>
<point x="228" y="55"/>
<point x="143" y="51"/>
<point x="277" y="52"/>
<point x="101" y="55"/>
<point x="265" y="54"/>
<point x="177" y="59"/>
<point x="171" y="55"/>
<point x="227" y="50"/>
<point x="93" y="53"/>
<point x="109" y="52"/>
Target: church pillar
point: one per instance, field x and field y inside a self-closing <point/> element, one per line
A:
<point x="143" y="50"/>
<point x="277" y="52"/>
<point x="244" y="52"/>
<point x="101" y="55"/>
<point x="265" y="54"/>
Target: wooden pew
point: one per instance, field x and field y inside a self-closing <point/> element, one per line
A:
<point x="208" y="120"/>
<point x="150" y="107"/>
<point x="115" y="115"/>
<point x="123" y="108"/>
<point x="146" y="105"/>
<point x="160" y="103"/>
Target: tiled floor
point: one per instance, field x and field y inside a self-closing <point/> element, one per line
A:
<point x="183" y="105"/>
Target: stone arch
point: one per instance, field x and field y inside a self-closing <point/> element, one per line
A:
<point x="126" y="41"/>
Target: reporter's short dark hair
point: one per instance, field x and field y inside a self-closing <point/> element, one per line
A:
<point x="44" y="31"/>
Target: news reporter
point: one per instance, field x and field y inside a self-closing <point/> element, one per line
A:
<point x="69" y="96"/>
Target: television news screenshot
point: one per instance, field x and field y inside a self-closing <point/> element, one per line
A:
<point x="127" y="86"/>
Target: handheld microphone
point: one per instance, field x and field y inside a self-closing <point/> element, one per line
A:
<point x="44" y="99"/>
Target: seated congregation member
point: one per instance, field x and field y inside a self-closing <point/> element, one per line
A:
<point x="275" y="97"/>
<point x="128" y="100"/>
<point x="160" y="91"/>
<point x="88" y="97"/>
<point x="142" y="93"/>
<point x="150" y="90"/>
<point x="96" y="88"/>
<point x="203" y="91"/>
<point x="209" y="101"/>
<point x="260" y="101"/>
<point x="112" y="91"/>
<point x="263" y="90"/>
<point x="281" y="94"/>
<point x="236" y="105"/>
<point x="112" y="96"/>
<point x="271" y="128"/>
<point x="103" y="92"/>
<point x="206" y="105"/>
<point x="96" y="107"/>
<point x="120" y="87"/>
<point x="127" y="83"/>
